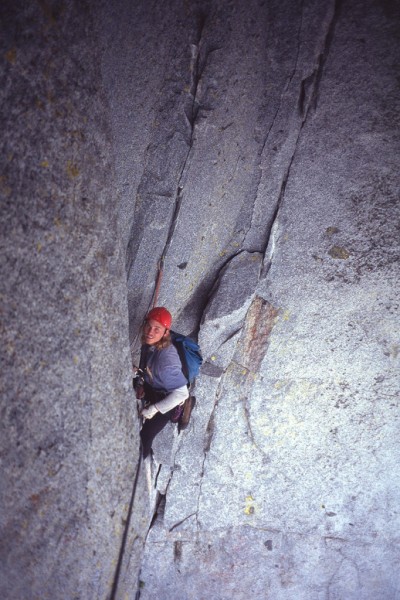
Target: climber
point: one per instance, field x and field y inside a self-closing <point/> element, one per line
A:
<point x="164" y="388"/>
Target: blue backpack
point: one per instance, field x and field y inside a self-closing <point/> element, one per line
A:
<point x="189" y="353"/>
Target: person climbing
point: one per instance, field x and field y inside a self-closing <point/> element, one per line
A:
<point x="164" y="389"/>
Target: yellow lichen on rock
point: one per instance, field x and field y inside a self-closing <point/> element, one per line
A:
<point x="249" y="508"/>
<point x="72" y="170"/>
<point x="339" y="252"/>
<point x="11" y="56"/>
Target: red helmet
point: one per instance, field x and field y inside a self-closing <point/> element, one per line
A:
<point x="161" y="315"/>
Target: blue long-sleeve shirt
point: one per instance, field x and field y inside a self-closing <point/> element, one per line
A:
<point x="163" y="368"/>
<point x="163" y="371"/>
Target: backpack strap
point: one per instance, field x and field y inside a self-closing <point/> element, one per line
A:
<point x="143" y="357"/>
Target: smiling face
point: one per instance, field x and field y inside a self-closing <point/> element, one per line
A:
<point x="153" y="332"/>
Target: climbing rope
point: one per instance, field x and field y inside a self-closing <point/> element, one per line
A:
<point x="160" y="266"/>
<point x="154" y="300"/>
<point x="158" y="281"/>
<point x="117" y="573"/>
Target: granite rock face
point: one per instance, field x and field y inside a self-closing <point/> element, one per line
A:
<point x="268" y="132"/>
<point x="69" y="433"/>
<point x="253" y="149"/>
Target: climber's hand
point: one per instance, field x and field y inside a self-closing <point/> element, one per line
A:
<point x="139" y="389"/>
<point x="149" y="412"/>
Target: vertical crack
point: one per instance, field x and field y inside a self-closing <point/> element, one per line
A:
<point x="172" y="227"/>
<point x="308" y="99"/>
<point x="155" y="194"/>
<point x="113" y="594"/>
<point x="198" y="64"/>
<point x="191" y="114"/>
<point x="247" y="418"/>
<point x="269" y="245"/>
<point x="289" y="82"/>
<point x="325" y="53"/>
<point x="158" y="512"/>
<point x="207" y="445"/>
<point x="195" y="71"/>
<point x="271" y="128"/>
<point x="310" y="85"/>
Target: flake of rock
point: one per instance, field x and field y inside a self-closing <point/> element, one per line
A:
<point x="229" y="302"/>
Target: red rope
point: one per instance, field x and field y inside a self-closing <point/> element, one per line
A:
<point x="158" y="282"/>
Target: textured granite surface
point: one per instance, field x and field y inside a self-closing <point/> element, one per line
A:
<point x="69" y="436"/>
<point x="285" y="485"/>
<point x="254" y="146"/>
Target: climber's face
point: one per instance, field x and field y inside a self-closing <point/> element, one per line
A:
<point x="153" y="332"/>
